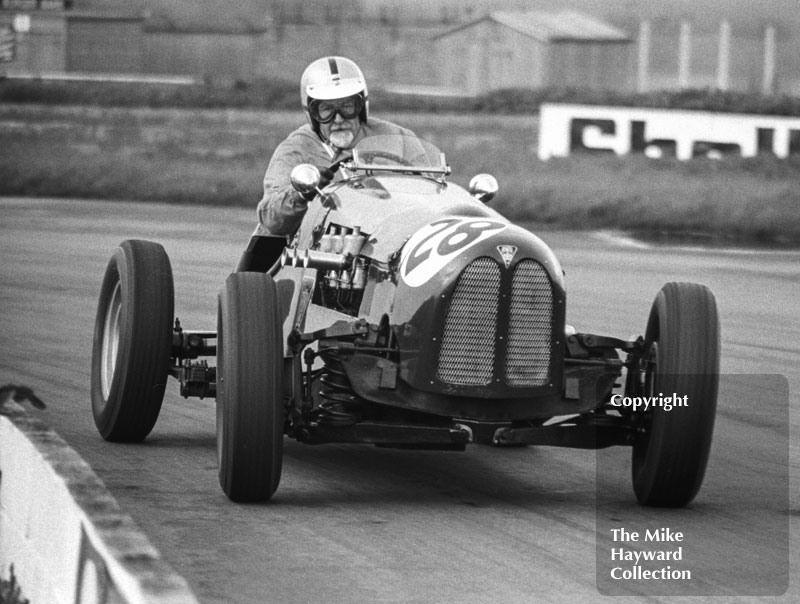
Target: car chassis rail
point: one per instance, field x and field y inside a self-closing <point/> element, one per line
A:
<point x="588" y="431"/>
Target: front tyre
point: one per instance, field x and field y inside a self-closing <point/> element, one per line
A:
<point x="250" y="411"/>
<point x="132" y="341"/>
<point x="671" y="451"/>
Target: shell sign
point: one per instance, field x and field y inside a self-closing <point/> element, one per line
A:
<point x="566" y="129"/>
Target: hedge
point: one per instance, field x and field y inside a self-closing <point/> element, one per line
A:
<point x="283" y="95"/>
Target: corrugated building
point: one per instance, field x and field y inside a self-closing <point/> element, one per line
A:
<point x="84" y="36"/>
<point x="105" y="41"/>
<point x="214" y="39"/>
<point x="533" y="49"/>
<point x="413" y="45"/>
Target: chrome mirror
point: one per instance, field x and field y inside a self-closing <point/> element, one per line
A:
<point x="483" y="187"/>
<point x="305" y="179"/>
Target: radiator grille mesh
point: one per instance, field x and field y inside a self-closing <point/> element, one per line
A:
<point x="467" y="353"/>
<point x="470" y="336"/>
<point x="530" y="326"/>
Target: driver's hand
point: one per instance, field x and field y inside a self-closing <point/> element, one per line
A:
<point x="325" y="176"/>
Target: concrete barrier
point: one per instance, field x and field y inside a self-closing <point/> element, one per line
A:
<point x="64" y="533"/>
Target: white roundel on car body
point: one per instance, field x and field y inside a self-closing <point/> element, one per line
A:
<point x="432" y="247"/>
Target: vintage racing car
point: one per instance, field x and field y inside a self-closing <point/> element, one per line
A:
<point x="406" y="313"/>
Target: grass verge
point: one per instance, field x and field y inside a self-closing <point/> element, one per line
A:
<point x="218" y="157"/>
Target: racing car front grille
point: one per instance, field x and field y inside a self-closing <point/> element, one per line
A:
<point x="473" y="328"/>
<point x="466" y="356"/>
<point x="530" y="326"/>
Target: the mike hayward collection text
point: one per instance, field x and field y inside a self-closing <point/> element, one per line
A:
<point x="657" y="546"/>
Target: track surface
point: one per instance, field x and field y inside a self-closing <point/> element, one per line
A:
<point x="355" y="524"/>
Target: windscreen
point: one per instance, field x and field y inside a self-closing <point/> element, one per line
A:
<point x="398" y="150"/>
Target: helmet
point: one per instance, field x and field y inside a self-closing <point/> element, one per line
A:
<point x="331" y="78"/>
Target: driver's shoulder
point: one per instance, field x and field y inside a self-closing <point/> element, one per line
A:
<point x="376" y="126"/>
<point x="300" y="136"/>
<point x="302" y="143"/>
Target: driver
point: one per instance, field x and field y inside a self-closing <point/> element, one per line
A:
<point x="333" y="94"/>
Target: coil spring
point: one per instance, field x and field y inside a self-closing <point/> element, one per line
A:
<point x="340" y="406"/>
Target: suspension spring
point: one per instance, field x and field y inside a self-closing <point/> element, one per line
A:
<point x="339" y="405"/>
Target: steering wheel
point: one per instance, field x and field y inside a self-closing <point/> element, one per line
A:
<point x="387" y="155"/>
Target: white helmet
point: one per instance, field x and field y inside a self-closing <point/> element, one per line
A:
<point x="332" y="78"/>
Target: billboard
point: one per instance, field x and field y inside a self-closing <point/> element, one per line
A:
<point x="567" y="128"/>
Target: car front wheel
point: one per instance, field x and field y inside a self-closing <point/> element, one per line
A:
<point x="250" y="412"/>
<point x="682" y="361"/>
<point x="132" y="341"/>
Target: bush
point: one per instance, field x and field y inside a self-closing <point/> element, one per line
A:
<point x="518" y="100"/>
<point x="274" y="95"/>
<point x="269" y="95"/>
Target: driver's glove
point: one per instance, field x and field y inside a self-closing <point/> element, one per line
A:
<point x="325" y="176"/>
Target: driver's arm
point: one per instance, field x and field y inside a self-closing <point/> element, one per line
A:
<point x="281" y="208"/>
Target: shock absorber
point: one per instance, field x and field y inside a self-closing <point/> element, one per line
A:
<point x="339" y="405"/>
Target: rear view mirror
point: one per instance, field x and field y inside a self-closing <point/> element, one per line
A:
<point x="305" y="178"/>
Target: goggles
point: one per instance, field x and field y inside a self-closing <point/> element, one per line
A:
<point x="325" y="111"/>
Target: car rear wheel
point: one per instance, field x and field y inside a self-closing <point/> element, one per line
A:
<point x="250" y="411"/>
<point x="132" y="341"/>
<point x="671" y="451"/>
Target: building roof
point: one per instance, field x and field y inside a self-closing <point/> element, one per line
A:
<point x="551" y="27"/>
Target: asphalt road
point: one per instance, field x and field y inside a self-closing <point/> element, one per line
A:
<point x="355" y="524"/>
